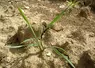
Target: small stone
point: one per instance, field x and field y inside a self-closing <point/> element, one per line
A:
<point x="48" y="54"/>
<point x="62" y="6"/>
<point x="26" y="7"/>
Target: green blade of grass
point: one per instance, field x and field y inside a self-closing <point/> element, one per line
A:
<point x="28" y="23"/>
<point x="27" y="40"/>
<point x="56" y="18"/>
<point x="33" y="45"/>
<point x="60" y="54"/>
<point x="15" y="46"/>
<point x="60" y="49"/>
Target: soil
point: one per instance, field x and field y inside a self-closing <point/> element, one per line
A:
<point x="74" y="32"/>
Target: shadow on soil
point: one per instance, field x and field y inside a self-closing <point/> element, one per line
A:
<point x="85" y="61"/>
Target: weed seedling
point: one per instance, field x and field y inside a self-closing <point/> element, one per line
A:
<point x="38" y="42"/>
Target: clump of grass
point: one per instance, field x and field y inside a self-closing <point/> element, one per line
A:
<point x="38" y="42"/>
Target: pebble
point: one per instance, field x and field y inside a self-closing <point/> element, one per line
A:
<point x="62" y="6"/>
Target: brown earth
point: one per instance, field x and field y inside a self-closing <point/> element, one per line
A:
<point x="75" y="32"/>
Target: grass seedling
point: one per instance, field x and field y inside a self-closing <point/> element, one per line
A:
<point x="38" y="42"/>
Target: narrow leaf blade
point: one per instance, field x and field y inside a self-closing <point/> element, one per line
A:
<point x="60" y="54"/>
<point x="23" y="15"/>
<point x="27" y="40"/>
<point x="15" y="45"/>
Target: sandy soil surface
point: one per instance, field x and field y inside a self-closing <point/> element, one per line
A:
<point x="75" y="32"/>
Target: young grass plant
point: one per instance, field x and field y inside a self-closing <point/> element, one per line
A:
<point x="38" y="42"/>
